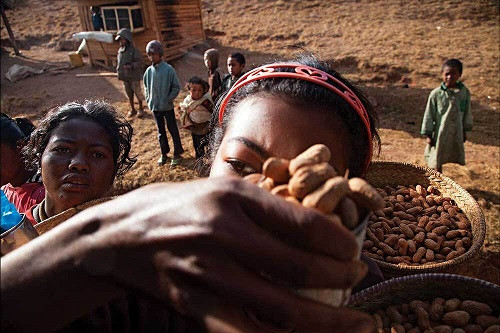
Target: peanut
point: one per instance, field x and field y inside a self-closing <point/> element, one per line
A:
<point x="456" y="318"/>
<point x="475" y="308"/>
<point x="328" y="195"/>
<point x="364" y="194"/>
<point x="277" y="169"/>
<point x="308" y="178"/>
<point x="315" y="154"/>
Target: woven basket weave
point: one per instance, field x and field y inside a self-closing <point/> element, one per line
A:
<point x="426" y="287"/>
<point x="382" y="173"/>
<point x="55" y="220"/>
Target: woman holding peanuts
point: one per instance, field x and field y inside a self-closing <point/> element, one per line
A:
<point x="208" y="262"/>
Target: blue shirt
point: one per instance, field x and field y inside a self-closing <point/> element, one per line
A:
<point x="161" y="86"/>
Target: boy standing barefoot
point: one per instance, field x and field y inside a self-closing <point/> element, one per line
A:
<point x="447" y="118"/>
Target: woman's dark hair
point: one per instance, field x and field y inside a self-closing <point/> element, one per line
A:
<point x="197" y="80"/>
<point x="15" y="131"/>
<point x="455" y="63"/>
<point x="239" y="57"/>
<point x="308" y="94"/>
<point x="100" y="112"/>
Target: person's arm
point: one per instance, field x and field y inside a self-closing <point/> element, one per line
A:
<point x="202" y="247"/>
<point x="467" y="116"/>
<point x="175" y="86"/>
<point x="145" y="83"/>
<point x="137" y="59"/>
<point x="429" y="119"/>
<point x="42" y="285"/>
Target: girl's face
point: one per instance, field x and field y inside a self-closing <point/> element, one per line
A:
<point x="207" y="61"/>
<point x="77" y="164"/>
<point x="155" y="58"/>
<point x="450" y="76"/>
<point x="234" y="67"/>
<point x="264" y="125"/>
<point x="196" y="91"/>
<point x="11" y="167"/>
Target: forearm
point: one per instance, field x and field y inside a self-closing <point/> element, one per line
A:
<point x="42" y="285"/>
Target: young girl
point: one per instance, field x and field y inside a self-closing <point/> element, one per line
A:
<point x="196" y="112"/>
<point x="447" y="118"/>
<point x="211" y="60"/>
<point x="207" y="261"/>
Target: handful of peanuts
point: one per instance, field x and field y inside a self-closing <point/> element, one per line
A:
<point x="417" y="226"/>
<point x="437" y="316"/>
<point x="309" y="180"/>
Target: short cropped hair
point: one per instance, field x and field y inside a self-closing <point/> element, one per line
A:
<point x="239" y="57"/>
<point x="455" y="63"/>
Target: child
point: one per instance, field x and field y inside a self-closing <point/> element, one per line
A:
<point x="97" y="18"/>
<point x="211" y="59"/>
<point x="129" y="68"/>
<point x="162" y="87"/>
<point x="235" y="65"/>
<point x="22" y="187"/>
<point x="446" y="119"/>
<point x="196" y="111"/>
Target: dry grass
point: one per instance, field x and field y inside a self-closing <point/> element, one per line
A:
<point x="384" y="46"/>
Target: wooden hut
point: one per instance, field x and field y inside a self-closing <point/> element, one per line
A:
<point x="176" y="23"/>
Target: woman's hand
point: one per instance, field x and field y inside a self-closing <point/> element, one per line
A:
<point x="204" y="247"/>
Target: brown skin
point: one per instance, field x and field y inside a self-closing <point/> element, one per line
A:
<point x="77" y="165"/>
<point x="203" y="261"/>
<point x="123" y="42"/>
<point x="12" y="168"/>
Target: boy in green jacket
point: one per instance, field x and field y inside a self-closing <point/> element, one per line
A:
<point x="447" y="118"/>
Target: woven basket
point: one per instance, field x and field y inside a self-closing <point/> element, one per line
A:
<point x="382" y="173"/>
<point x="55" y="220"/>
<point x="426" y="287"/>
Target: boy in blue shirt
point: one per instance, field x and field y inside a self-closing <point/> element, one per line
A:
<point x="162" y="87"/>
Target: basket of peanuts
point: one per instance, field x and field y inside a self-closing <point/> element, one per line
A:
<point x="431" y="303"/>
<point x="429" y="223"/>
<point x="309" y="180"/>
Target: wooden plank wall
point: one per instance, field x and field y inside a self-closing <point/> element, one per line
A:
<point x="180" y="25"/>
<point x="176" y="23"/>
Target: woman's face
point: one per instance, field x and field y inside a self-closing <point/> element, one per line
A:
<point x="77" y="164"/>
<point x="264" y="125"/>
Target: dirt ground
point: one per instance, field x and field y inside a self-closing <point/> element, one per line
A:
<point x="392" y="49"/>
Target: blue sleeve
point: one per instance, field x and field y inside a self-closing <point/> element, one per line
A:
<point x="176" y="87"/>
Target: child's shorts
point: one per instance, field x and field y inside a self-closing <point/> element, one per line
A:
<point x="133" y="87"/>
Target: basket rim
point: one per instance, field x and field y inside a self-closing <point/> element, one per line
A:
<point x="432" y="267"/>
<point x="364" y="295"/>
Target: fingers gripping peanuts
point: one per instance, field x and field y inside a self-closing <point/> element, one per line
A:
<point x="311" y="181"/>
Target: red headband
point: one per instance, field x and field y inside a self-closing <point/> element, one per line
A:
<point x="305" y="73"/>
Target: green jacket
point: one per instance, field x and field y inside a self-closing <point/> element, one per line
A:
<point x="446" y="119"/>
<point x="161" y="86"/>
